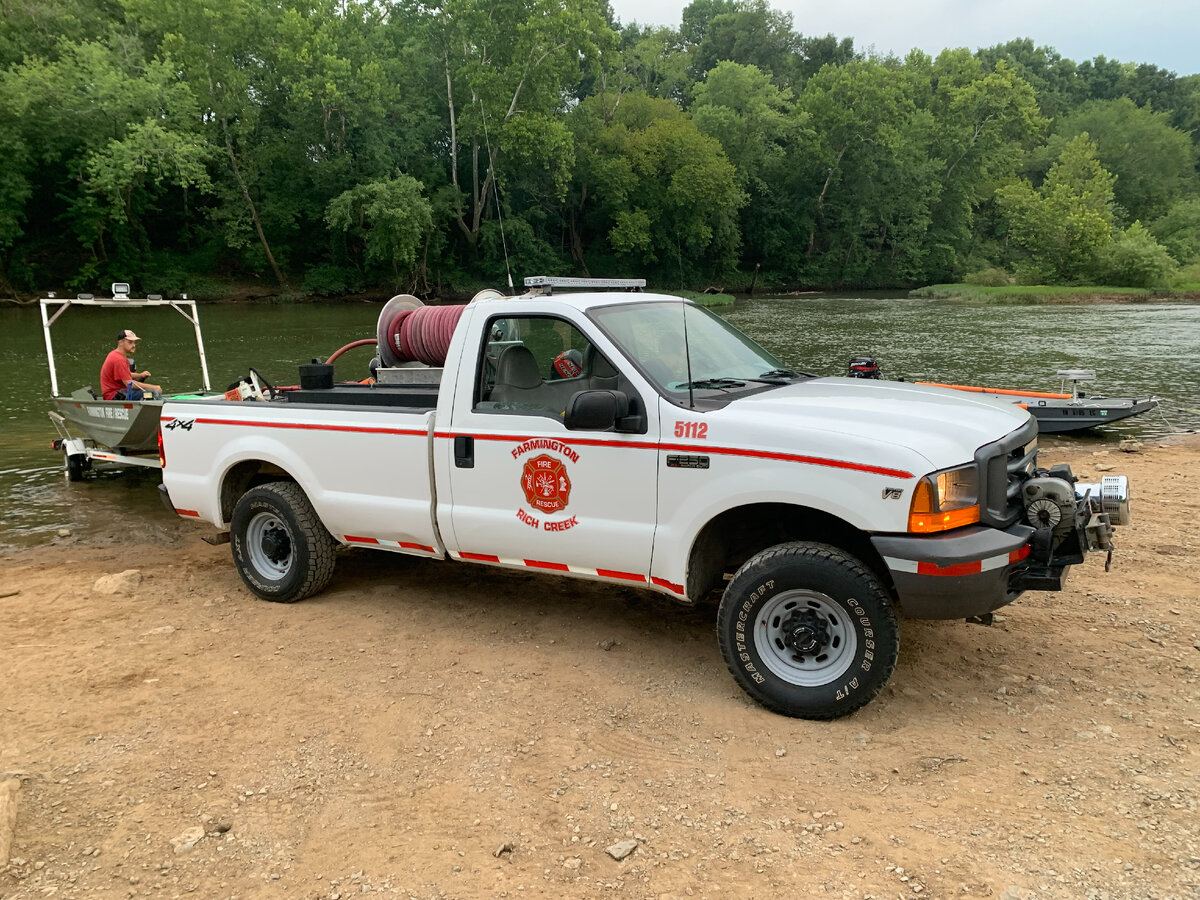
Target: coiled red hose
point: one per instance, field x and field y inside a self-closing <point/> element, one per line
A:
<point x="423" y="334"/>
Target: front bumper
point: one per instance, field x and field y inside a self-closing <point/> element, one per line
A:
<point x="967" y="572"/>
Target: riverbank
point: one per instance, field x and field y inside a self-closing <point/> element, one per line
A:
<point x="434" y="729"/>
<point x="241" y="292"/>
<point x="1051" y="294"/>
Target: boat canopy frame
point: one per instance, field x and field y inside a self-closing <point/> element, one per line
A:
<point x="181" y="306"/>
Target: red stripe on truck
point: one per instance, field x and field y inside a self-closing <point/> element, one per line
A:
<point x="621" y="576"/>
<point x="542" y="564"/>
<point x="690" y="448"/>
<point x="967" y="568"/>
<point x="305" y="426"/>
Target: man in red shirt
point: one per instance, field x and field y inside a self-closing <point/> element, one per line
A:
<point x="117" y="380"/>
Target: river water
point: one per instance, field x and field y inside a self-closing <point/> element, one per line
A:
<point x="1136" y="350"/>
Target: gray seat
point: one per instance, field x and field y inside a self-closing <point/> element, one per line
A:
<point x="518" y="380"/>
<point x="600" y="373"/>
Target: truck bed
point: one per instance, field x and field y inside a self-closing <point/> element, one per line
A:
<point x="408" y="396"/>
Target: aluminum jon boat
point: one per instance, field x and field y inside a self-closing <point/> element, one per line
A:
<point x="1065" y="412"/>
<point x="120" y="432"/>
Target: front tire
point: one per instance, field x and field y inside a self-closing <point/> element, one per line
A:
<point x="808" y="631"/>
<point x="280" y="548"/>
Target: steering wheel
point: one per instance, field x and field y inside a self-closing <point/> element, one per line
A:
<point x="259" y="381"/>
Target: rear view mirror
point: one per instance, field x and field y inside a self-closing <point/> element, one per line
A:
<point x="595" y="410"/>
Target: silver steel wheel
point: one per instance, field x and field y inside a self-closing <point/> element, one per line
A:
<point x="805" y="638"/>
<point x="269" y="546"/>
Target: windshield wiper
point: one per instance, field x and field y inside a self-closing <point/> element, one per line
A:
<point x="786" y="373"/>
<point x="719" y="383"/>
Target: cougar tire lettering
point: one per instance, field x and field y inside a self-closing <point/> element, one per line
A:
<point x="817" y="638"/>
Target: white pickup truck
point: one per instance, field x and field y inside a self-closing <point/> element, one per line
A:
<point x="639" y="439"/>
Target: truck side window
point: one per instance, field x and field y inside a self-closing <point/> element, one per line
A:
<point x="533" y="364"/>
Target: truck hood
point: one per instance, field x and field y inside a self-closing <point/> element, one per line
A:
<point x="943" y="426"/>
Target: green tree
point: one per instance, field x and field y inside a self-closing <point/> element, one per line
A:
<point x="390" y="219"/>
<point x="103" y="140"/>
<point x="502" y="61"/>
<point x="224" y="49"/>
<point x="867" y="186"/>
<point x="654" y="61"/>
<point x="1179" y="230"/>
<point x="124" y="172"/>
<point x="1154" y="163"/>
<point x="1136" y="259"/>
<point x="698" y="15"/>
<point x="1054" y="78"/>
<point x="760" y="129"/>
<point x="752" y="34"/>
<point x="652" y="188"/>
<point x="983" y="121"/>
<point x="1066" y="224"/>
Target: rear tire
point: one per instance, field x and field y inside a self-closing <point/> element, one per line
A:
<point x="808" y="631"/>
<point x="280" y="548"/>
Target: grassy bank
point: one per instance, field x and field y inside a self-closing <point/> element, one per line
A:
<point x="704" y="299"/>
<point x="1043" y="293"/>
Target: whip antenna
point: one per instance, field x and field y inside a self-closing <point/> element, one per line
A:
<point x="496" y="187"/>
<point x="687" y="355"/>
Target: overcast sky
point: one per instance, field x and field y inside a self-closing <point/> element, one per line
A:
<point x="1165" y="33"/>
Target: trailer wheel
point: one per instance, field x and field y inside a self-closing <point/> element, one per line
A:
<point x="808" y="631"/>
<point x="74" y="465"/>
<point x="280" y="548"/>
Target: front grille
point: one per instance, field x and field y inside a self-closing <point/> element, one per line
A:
<point x="1003" y="467"/>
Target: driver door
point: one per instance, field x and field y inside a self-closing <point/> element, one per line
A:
<point x="525" y="490"/>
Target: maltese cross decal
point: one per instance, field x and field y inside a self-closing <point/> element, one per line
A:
<point x="546" y="484"/>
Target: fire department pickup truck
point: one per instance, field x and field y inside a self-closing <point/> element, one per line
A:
<point x="639" y="439"/>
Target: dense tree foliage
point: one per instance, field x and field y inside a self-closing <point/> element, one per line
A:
<point x="326" y="146"/>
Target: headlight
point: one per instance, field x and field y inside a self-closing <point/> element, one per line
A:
<point x="945" y="500"/>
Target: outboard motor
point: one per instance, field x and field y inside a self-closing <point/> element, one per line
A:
<point x="864" y="367"/>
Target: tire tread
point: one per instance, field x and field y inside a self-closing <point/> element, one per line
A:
<point x="321" y="558"/>
<point x="757" y="568"/>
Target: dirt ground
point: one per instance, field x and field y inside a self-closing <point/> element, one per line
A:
<point x="436" y="730"/>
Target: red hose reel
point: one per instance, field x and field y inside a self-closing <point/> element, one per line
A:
<point x="409" y="331"/>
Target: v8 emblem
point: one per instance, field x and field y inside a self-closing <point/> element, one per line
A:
<point x="892" y="493"/>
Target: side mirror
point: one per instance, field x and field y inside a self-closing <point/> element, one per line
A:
<point x="595" y="410"/>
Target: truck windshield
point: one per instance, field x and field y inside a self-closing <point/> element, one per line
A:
<point x="721" y="357"/>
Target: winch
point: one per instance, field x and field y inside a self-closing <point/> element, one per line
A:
<point x="1070" y="519"/>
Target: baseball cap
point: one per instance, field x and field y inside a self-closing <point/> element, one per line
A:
<point x="126" y="335"/>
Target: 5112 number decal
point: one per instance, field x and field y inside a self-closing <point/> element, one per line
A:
<point x="697" y="430"/>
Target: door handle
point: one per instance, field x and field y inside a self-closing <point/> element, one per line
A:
<point x="464" y="451"/>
